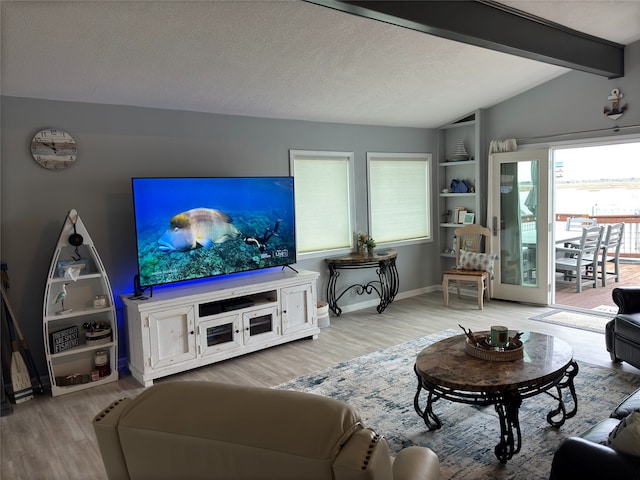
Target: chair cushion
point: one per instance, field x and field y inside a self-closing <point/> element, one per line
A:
<point x="626" y="436"/>
<point x="477" y="261"/>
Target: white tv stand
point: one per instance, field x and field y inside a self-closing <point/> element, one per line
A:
<point x="185" y="327"/>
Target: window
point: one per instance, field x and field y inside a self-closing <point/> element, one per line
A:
<point x="399" y="196"/>
<point x="324" y="199"/>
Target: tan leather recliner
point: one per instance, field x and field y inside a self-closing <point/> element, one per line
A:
<point x="192" y="430"/>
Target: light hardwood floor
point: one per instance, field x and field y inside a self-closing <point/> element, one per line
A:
<point x="52" y="438"/>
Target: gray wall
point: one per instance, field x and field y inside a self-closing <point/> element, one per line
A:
<point x="116" y="143"/>
<point x="571" y="103"/>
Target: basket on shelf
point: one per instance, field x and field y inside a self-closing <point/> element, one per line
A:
<point x="97" y="333"/>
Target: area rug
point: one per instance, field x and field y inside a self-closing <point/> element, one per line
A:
<point x="594" y="322"/>
<point x="381" y="385"/>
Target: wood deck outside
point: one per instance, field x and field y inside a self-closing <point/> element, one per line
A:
<point x="594" y="297"/>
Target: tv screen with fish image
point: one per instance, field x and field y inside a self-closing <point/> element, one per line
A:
<point x="190" y="228"/>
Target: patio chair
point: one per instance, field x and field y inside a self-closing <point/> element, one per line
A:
<point x="610" y="252"/>
<point x="474" y="262"/>
<point x="575" y="224"/>
<point x="578" y="264"/>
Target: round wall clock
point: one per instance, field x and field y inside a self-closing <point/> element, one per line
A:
<point x="53" y="149"/>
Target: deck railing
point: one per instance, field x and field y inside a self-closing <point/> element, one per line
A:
<point x="631" y="244"/>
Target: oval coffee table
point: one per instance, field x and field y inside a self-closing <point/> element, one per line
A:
<point x="445" y="370"/>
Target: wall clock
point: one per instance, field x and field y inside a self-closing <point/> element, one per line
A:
<point x="53" y="149"/>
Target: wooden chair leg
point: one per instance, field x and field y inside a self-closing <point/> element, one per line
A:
<point x="480" y="286"/>
<point x="445" y="291"/>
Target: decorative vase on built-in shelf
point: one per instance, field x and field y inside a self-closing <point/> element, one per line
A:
<point x="370" y="251"/>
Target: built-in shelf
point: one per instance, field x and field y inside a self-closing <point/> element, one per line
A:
<point x="471" y="194"/>
<point x="457" y="164"/>
<point x="468" y="130"/>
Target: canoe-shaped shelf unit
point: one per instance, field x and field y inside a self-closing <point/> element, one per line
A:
<point x="79" y="320"/>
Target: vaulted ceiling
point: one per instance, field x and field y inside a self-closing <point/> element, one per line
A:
<point x="276" y="59"/>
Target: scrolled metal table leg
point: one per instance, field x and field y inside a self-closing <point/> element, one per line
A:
<point x="394" y="283"/>
<point x="331" y="290"/>
<point x="388" y="275"/>
<point x="431" y="420"/>
<point x="384" y="287"/>
<point x="508" y="412"/>
<point x="570" y="373"/>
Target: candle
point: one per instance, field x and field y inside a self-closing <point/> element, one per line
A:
<point x="499" y="336"/>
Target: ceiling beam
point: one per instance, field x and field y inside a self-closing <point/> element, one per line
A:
<point x="489" y="24"/>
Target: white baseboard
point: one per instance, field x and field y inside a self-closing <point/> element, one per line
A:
<point x="375" y="301"/>
<point x="411" y="293"/>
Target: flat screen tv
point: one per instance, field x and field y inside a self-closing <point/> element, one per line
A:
<point x="191" y="228"/>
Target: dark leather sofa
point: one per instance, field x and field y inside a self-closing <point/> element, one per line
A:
<point x="622" y="334"/>
<point x="589" y="458"/>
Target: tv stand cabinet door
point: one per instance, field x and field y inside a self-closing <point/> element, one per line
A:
<point x="261" y="325"/>
<point x="172" y="336"/>
<point x="298" y="308"/>
<point x="219" y="334"/>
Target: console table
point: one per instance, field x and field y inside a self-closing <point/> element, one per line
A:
<point x="386" y="286"/>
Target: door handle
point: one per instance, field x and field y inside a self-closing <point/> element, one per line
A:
<point x="495" y="226"/>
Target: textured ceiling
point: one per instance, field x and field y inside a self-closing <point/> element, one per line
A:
<point x="277" y="59"/>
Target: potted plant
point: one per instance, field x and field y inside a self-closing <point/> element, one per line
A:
<point x="365" y="242"/>
<point x="370" y="243"/>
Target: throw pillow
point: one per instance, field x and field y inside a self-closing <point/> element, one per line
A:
<point x="477" y="261"/>
<point x="626" y="436"/>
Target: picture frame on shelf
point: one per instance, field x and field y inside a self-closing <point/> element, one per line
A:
<point x="461" y="216"/>
<point x="469" y="218"/>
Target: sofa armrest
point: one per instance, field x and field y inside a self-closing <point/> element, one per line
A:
<point x="627" y="299"/>
<point x="627" y="406"/>
<point x="416" y="463"/>
<point x="580" y="458"/>
<point x="105" y="426"/>
<point x="364" y="456"/>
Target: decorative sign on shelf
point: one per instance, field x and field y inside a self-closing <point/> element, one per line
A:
<point x="64" y="339"/>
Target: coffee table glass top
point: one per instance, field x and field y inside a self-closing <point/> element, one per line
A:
<point x="446" y="363"/>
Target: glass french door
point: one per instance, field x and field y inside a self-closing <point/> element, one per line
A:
<point x="519" y="219"/>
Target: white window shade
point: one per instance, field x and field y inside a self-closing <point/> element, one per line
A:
<point x="323" y="201"/>
<point x="399" y="196"/>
